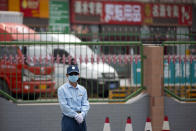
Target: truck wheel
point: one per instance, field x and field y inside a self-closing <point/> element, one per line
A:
<point x="4" y="87"/>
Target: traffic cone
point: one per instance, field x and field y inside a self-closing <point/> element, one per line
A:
<point x="128" y="126"/>
<point x="165" y="124"/>
<point x="148" y="126"/>
<point x="107" y="124"/>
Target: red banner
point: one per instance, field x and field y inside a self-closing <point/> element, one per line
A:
<point x="114" y="12"/>
<point x="122" y="13"/>
<point x="30" y="8"/>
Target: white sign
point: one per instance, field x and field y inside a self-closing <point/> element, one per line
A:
<point x="122" y="13"/>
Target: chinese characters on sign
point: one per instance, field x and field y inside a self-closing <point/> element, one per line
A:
<point x="186" y="15"/>
<point x="159" y="13"/>
<point x="162" y="10"/>
<point x="122" y="12"/>
<point x="59" y="16"/>
<point x="87" y="12"/>
<point x="88" y="7"/>
<point x="106" y="12"/>
<point x="165" y="10"/>
<point x="112" y="12"/>
<point x="30" y="8"/>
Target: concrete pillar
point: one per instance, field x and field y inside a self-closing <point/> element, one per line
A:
<point x="153" y="81"/>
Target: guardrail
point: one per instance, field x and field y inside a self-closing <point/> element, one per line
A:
<point x="32" y="71"/>
<point x="180" y="70"/>
<point x="123" y="59"/>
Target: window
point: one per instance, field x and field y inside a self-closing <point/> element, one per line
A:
<point x="59" y="52"/>
<point x="8" y="51"/>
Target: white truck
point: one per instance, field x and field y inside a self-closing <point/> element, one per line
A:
<point x="11" y="17"/>
<point x="98" y="78"/>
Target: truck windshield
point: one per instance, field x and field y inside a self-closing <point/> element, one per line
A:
<point x="6" y="51"/>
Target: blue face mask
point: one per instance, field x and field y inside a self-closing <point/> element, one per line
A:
<point x="73" y="78"/>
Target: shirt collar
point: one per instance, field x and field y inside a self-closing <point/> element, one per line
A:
<point x="70" y="86"/>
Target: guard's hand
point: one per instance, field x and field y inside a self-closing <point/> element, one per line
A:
<point x="79" y="118"/>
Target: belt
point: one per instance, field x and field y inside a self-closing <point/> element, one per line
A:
<point x="78" y="111"/>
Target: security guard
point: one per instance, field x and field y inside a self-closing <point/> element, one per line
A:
<point x="73" y="102"/>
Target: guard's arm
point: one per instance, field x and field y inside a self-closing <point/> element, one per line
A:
<point x="85" y="104"/>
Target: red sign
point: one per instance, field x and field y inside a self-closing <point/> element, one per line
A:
<point x="113" y="12"/>
<point x="102" y="12"/>
<point x="168" y="14"/>
<point x="30" y="8"/>
<point x="4" y="5"/>
<point x="122" y="13"/>
<point x="185" y="15"/>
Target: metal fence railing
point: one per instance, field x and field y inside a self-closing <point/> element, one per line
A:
<point x="33" y="70"/>
<point x="180" y="70"/>
<point x="33" y="65"/>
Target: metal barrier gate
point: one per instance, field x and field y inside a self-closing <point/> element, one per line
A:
<point x="179" y="70"/>
<point x="33" y="68"/>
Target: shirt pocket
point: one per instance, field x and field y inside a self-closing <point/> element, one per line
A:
<point x="79" y="97"/>
<point x="69" y="100"/>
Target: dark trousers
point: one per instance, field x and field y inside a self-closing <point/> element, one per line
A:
<point x="70" y="124"/>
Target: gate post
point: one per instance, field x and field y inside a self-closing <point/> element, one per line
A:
<point x="153" y="81"/>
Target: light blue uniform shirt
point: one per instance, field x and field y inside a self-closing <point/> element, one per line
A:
<point x="73" y="99"/>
